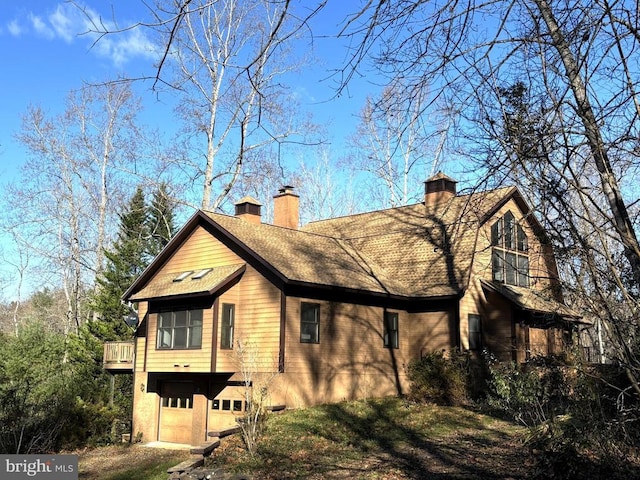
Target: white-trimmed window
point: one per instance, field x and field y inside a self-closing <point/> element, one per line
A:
<point x="509" y="257"/>
<point x="179" y="329"/>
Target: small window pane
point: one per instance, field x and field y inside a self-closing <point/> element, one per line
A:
<point x="237" y="405"/>
<point x="195" y="317"/>
<point x="498" y="265"/>
<point x="523" y="244"/>
<point x="179" y="338"/>
<point x="226" y="404"/>
<point x="509" y="231"/>
<point x="195" y="337"/>
<point x="215" y="404"/>
<point x="496" y="233"/>
<point x="164" y="338"/>
<point x="180" y="319"/>
<point x="510" y="269"/>
<point x="173" y="402"/>
<point x="523" y="271"/>
<point x="164" y="319"/>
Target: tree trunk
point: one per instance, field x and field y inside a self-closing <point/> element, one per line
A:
<point x="620" y="215"/>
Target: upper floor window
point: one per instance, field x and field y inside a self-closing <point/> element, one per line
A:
<point x="510" y="259"/>
<point x="391" y="337"/>
<point x="228" y="320"/>
<point x="309" y="322"/>
<point x="179" y="329"/>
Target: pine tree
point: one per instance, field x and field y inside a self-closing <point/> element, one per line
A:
<point x="125" y="261"/>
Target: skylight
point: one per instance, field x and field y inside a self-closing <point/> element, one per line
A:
<point x="182" y="276"/>
<point x="201" y="273"/>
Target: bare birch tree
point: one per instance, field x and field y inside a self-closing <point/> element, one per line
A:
<point x="66" y="200"/>
<point x="228" y="60"/>
<point x="397" y="145"/>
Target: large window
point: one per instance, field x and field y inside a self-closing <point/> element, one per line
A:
<point x="180" y="329"/>
<point x="309" y="322"/>
<point x="226" y="331"/>
<point x="475" y="332"/>
<point x="510" y="260"/>
<point x="391" y="337"/>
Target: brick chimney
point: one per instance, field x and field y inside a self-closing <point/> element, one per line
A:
<point x="439" y="188"/>
<point x="286" y="208"/>
<point x="248" y="208"/>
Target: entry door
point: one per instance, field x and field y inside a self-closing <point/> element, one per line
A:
<point x="176" y="412"/>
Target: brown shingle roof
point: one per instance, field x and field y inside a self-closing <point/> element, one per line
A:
<point x="533" y="300"/>
<point x="407" y="251"/>
<point x="165" y="285"/>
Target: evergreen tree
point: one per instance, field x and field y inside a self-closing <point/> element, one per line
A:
<point x="161" y="220"/>
<point x="125" y="261"/>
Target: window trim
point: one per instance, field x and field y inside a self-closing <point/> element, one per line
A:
<point x="189" y="329"/>
<point x="227" y="326"/>
<point x="391" y="330"/>
<point x="305" y="309"/>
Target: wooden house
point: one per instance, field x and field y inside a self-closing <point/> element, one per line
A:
<point x="335" y="309"/>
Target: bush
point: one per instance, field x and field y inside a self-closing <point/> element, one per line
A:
<point x="438" y="379"/>
<point x="93" y="425"/>
<point x="531" y="393"/>
<point x="578" y="417"/>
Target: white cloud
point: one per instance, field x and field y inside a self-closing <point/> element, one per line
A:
<point x="70" y="24"/>
<point x="122" y="47"/>
<point x="66" y="22"/>
<point x="41" y="28"/>
<point x="14" y="28"/>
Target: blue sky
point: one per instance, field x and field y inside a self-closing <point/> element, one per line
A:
<point x="46" y="53"/>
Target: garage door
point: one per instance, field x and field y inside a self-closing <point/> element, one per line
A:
<point x="176" y="412"/>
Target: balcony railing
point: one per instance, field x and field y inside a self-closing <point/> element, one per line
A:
<point x="118" y="356"/>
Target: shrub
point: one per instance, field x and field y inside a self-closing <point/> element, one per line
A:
<point x="530" y="393"/>
<point x="575" y="415"/>
<point x="438" y="379"/>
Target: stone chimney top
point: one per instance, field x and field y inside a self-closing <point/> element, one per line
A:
<point x="439" y="188"/>
<point x="286" y="208"/>
<point x="248" y="208"/>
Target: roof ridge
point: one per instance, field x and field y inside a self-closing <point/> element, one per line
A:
<point x="457" y="198"/>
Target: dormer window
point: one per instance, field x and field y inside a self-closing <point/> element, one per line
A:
<point x="509" y="258"/>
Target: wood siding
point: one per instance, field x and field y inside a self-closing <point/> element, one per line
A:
<point x="350" y="360"/>
<point x="257" y="316"/>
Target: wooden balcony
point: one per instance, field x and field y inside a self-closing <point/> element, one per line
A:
<point x="118" y="357"/>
